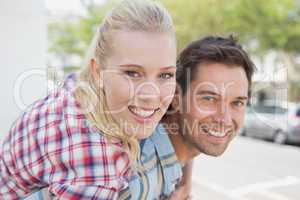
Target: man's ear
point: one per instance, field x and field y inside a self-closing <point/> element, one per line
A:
<point x="177" y="100"/>
<point x="95" y="69"/>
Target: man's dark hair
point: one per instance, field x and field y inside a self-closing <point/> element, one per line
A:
<point x="212" y="49"/>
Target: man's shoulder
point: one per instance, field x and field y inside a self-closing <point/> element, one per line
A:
<point x="162" y="142"/>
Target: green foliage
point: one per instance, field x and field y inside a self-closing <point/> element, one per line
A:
<point x="194" y="19"/>
<point x="73" y="37"/>
<point x="275" y="24"/>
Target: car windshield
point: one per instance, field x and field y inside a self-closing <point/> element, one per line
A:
<point x="268" y="109"/>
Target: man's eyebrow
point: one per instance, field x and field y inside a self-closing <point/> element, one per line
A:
<point x="242" y="98"/>
<point x="202" y="92"/>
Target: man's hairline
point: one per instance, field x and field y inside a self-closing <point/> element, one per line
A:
<point x="212" y="62"/>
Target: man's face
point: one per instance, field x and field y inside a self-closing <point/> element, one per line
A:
<point x="214" y="107"/>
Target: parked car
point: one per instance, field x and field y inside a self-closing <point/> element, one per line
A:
<point x="273" y="122"/>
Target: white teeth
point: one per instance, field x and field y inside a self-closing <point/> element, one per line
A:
<point x="141" y="112"/>
<point x="217" y="133"/>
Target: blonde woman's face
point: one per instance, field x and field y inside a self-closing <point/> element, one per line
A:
<point x="139" y="79"/>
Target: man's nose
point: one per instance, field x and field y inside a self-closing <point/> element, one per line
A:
<point x="224" y="114"/>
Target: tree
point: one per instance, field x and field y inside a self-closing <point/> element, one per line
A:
<point x="275" y="25"/>
<point x="194" y="19"/>
<point x="73" y="36"/>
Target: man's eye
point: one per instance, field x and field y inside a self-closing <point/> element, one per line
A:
<point x="132" y="74"/>
<point x="167" y="75"/>
<point x="209" y="98"/>
<point x="239" y="103"/>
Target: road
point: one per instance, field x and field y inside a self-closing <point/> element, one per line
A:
<point x="250" y="169"/>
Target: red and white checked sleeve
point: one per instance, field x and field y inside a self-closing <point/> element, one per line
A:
<point x="53" y="145"/>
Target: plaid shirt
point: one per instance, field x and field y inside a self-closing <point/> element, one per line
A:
<point x="160" y="174"/>
<point x="53" y="145"/>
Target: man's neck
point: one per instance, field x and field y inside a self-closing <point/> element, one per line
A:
<point x="183" y="149"/>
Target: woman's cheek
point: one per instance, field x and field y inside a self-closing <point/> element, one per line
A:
<point x="167" y="92"/>
<point x="120" y="91"/>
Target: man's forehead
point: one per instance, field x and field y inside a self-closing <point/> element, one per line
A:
<point x="220" y="77"/>
<point x="220" y="88"/>
<point x="218" y="71"/>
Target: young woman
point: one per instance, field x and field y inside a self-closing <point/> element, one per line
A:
<point x="82" y="141"/>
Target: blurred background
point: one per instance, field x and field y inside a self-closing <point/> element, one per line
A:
<point x="43" y="40"/>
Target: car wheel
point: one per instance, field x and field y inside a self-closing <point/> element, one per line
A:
<point x="280" y="137"/>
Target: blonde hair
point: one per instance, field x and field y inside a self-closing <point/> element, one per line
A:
<point x="129" y="15"/>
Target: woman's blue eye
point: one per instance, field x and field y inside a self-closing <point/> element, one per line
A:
<point x="167" y="75"/>
<point x="133" y="74"/>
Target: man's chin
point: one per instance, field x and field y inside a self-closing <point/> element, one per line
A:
<point x="215" y="152"/>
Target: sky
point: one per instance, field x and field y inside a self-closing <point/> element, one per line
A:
<point x="66" y="5"/>
<point x="72" y="6"/>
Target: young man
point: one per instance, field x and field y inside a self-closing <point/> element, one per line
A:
<point x="214" y="85"/>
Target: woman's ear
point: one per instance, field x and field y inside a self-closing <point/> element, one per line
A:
<point x="95" y="69"/>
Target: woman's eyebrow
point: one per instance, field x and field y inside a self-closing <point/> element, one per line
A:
<point x="131" y="65"/>
<point x="169" y="67"/>
<point x="140" y="66"/>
